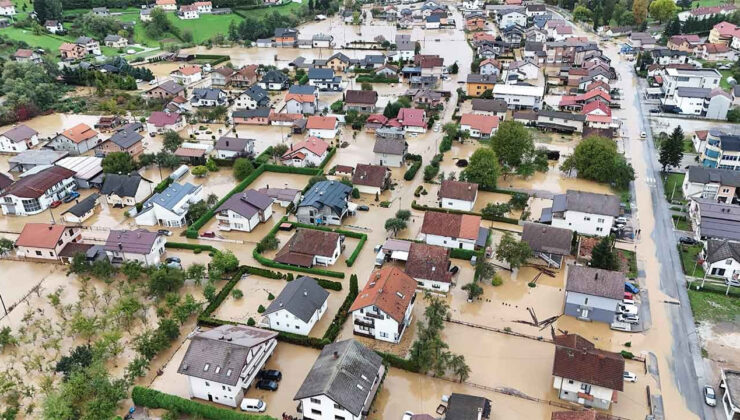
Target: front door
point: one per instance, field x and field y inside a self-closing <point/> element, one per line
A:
<point x="210" y="397"/>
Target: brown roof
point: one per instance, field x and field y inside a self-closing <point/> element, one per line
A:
<point x="428" y="61"/>
<point x="390" y="290"/>
<point x="40" y="235"/>
<point x="23" y="53"/>
<point x="321" y="123"/>
<point x="595" y="282"/>
<point x="370" y="175"/>
<point x="225" y="71"/>
<point x="546" y="238"/>
<point x="463" y="226"/>
<point x="458" y="190"/>
<point x="573" y="341"/>
<point x="34" y="186"/>
<point x="189" y="152"/>
<point x="429" y="262"/>
<point x="578" y="415"/>
<point x="74" y="248"/>
<point x="361" y="97"/>
<point x="592" y="366"/>
<point x="305" y="244"/>
<point x="188" y="70"/>
<point x="79" y="133"/>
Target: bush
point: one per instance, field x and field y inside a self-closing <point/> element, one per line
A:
<point x="399" y="362"/>
<point x="329" y="284"/>
<point x="356" y="252"/>
<point x="270" y="296"/>
<point x="260" y="309"/>
<point x="250" y="322"/>
<point x="163" y="185"/>
<point x="302" y="340"/>
<point x="237" y="294"/>
<point x="532" y="284"/>
<point x="335" y="328"/>
<point x="417" y="191"/>
<point x="626" y="354"/>
<point x="385" y="204"/>
<point x="628" y="344"/>
<point x="462" y="254"/>
<point x="412" y="170"/>
<point x="263" y="272"/>
<point x="154" y="399"/>
<point x="497" y="280"/>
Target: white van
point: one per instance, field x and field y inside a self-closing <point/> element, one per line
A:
<point x="253" y="404"/>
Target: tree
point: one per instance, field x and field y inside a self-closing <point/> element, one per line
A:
<point x="196" y="272"/>
<point x="474" y="290"/>
<point x="512" y="251"/>
<point x="454" y="68"/>
<point x="171" y="141"/>
<point x="604" y="256"/>
<point x="6" y="245"/>
<point x="366" y="86"/>
<point x="278" y="150"/>
<point x="495" y="210"/>
<point x="211" y="165"/>
<point x="459" y="368"/>
<point x="582" y="14"/>
<point x="6" y="338"/>
<point x="597" y="159"/>
<point x="80" y="358"/>
<point x="733" y="115"/>
<point x="513" y="144"/>
<point x="662" y="10"/>
<point x="518" y="201"/>
<point x="199" y="171"/>
<point x="132" y="269"/>
<point x="404" y="215"/>
<point x="671" y="149"/>
<point x="118" y="163"/>
<point x="47" y="10"/>
<point x="167" y="160"/>
<point x="242" y="168"/>
<point x="88" y="394"/>
<point x="164" y="280"/>
<point x="225" y="261"/>
<point x="146" y="159"/>
<point x="395" y="225"/>
<point x="196" y="211"/>
<point x="483" y="168"/>
<point x="313" y="180"/>
<point x="640" y="10"/>
<point x="269" y="242"/>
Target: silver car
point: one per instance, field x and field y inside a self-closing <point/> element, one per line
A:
<point x="709" y="397"/>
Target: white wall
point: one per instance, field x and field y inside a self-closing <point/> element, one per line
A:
<point x="725" y="268"/>
<point x="434" y="286"/>
<point x="448" y="242"/>
<point x="568" y="390"/>
<point x="384" y="159"/>
<point x="235" y="221"/>
<point x="322" y="407"/>
<point x="451" y="203"/>
<point x="585" y="223"/>
<point x="322" y="134"/>
<point x="283" y="320"/>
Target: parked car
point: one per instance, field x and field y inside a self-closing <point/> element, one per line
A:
<point x="643" y="135"/>
<point x="454" y="270"/>
<point x="173" y="259"/>
<point x="267" y="385"/>
<point x="627" y="309"/>
<point x="71" y="196"/>
<point x="629" y="376"/>
<point x="620" y="221"/>
<point x="164" y="232"/>
<point x="628" y="296"/>
<point x="732" y="282"/>
<point x="709" y="396"/>
<point x="253" y="404"/>
<point x="688" y="240"/>
<point x="630" y="319"/>
<point x="56" y="203"/>
<point x="407" y="415"/>
<point x="363" y="208"/>
<point x="628" y="301"/>
<point x="630" y="287"/>
<point x="208" y="234"/>
<point x="654" y="110"/>
<point x="270" y="374"/>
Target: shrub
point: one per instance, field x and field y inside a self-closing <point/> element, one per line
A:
<point x="412" y="170"/>
<point x="356" y="252"/>
<point x="250" y="322"/>
<point x="290" y="277"/>
<point x="270" y="296"/>
<point x="196" y="251"/>
<point x="329" y="285"/>
<point x="462" y="254"/>
<point x="335" y="328"/>
<point x="417" y="191"/>
<point x="270" y="263"/>
<point x="628" y="344"/>
<point x="497" y="280"/>
<point x="263" y="272"/>
<point x="154" y="399"/>
<point x="385" y="204"/>
<point x="626" y="354"/>
<point x="532" y="284"/>
<point x="261" y="309"/>
<point x="163" y="185"/>
<point x="237" y="294"/>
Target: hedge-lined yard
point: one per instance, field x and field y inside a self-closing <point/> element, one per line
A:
<point x="147" y="397"/>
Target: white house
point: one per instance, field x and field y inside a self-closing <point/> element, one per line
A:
<point x="135" y="245"/>
<point x="244" y="211"/>
<point x="413" y="120"/>
<point x="222" y="363"/>
<point x="36" y="190"/>
<point x="208" y="97"/>
<point x="310" y="247"/>
<point x="722" y="259"/>
<point x="584" y="212"/>
<point x="204" y="6"/>
<point x="390" y="152"/>
<point x="298" y="307"/>
<point x="692" y="78"/>
<point x="450" y="230"/>
<point x="715" y="184"/>
<point x="302" y="100"/>
<point x="519" y="96"/>
<point x="161" y="121"/>
<point x="511" y="18"/>
<point x="18" y="139"/>
<point x="490" y="67"/>
<point x="429" y="265"/>
<point x="371" y="179"/>
<point x="252" y="98"/>
<point x="7" y="8"/>
<point x="125" y="190"/>
<point x="82" y="210"/>
<point x="382" y="310"/>
<point x="479" y="126"/>
<point x="187" y="75"/>
<point x="712" y="103"/>
<point x="188" y="11"/>
<point x="457" y="195"/>
<point x="169" y="207"/>
<point x="730" y="388"/>
<point x="309" y="152"/>
<point x="233" y="147"/>
<point x="342" y="382"/>
<point x="283" y="196"/>
<point x="169" y="5"/>
<point x="45" y="241"/>
<point x="523" y="70"/>
<point x="322" y="127"/>
<point x="76" y="140"/>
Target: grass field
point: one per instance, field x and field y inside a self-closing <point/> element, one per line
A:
<point x="688" y="259"/>
<point x="672" y="186"/>
<point x="206" y="26"/>
<point x="715" y="307"/>
<point x="704" y="3"/>
<point x="287" y="9"/>
<point x="723" y="82"/>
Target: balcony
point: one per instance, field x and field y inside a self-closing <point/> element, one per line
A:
<point x="364" y="323"/>
<point x="374" y="315"/>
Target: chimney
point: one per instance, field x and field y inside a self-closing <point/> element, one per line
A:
<point x="51" y="227"/>
<point x="227" y="143"/>
<point x="120" y="245"/>
<point x="336" y="355"/>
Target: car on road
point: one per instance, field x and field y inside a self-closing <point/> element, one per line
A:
<point x="654" y="110"/>
<point x="709" y="396"/>
<point x="630" y="319"/>
<point x="208" y="234"/>
<point x="267" y="385"/>
<point x="253" y="404"/>
<point x="630" y="287"/>
<point x="688" y="240"/>
<point x="363" y="208"/>
<point x="164" y="232"/>
<point x="56" y="203"/>
<point x="643" y="135"/>
<point x="270" y="374"/>
<point x="629" y="376"/>
<point x="407" y="415"/>
<point x="71" y="196"/>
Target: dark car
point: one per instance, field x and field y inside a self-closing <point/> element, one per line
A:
<point x="454" y="270"/>
<point x="363" y="208"/>
<point x="71" y="196"/>
<point x="270" y="374"/>
<point x="164" y="232"/>
<point x="688" y="240"/>
<point x="267" y="385"/>
<point x="173" y="259"/>
<point x="654" y="110"/>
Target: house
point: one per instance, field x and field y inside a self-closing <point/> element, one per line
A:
<point x="722" y="33"/>
<point x="468" y="407"/>
<point x="145" y="15"/>
<point x="721" y="258"/>
<point x="715" y="52"/>
<point x="430" y="64"/>
<point x="382" y="310"/>
<point x="135" y="245"/>
<point x="302" y="100"/>
<point x="685" y="43"/>
<point x="244" y="211"/>
<point x="124" y="140"/>
<point x="162" y="121"/>
<point x="252" y="98"/>
<point x="362" y="101"/>
<point x="548" y="243"/>
<point x="258" y="116"/>
<point x="450" y="230"/>
<point x="188" y="11"/>
<point x="125" y="190"/>
<point x="584" y="212"/>
<point x="477" y="84"/>
<point x="712" y="220"/>
<point x="24" y="55"/>
<point x="457" y="195"/>
<point x="53" y="26"/>
<point x="7" y="8"/>
<point x="390" y="152"/>
<point x="512" y="36"/>
<point x="286" y="37"/>
<point x="475" y="23"/>
<point x="429" y="265"/>
<point x="322" y="127"/>
<point x="283" y="196"/>
<point x="322" y="41"/>
<point x="559" y="121"/>
<point x="720" y="185"/>
<point x="187" y="75"/>
<point x="310" y="247"/>
<point x="479" y="126"/>
<point x="675" y="78"/>
<point x="82" y="210"/>
<point x="221" y="76"/>
<point x="208" y="97"/>
<point x="45" y="241"/>
<point x="423" y="82"/>
<point x="115" y="41"/>
<point x="166" y="90"/>
<point x="274" y="80"/>
<point x="307" y="153"/>
<point x="490" y="67"/>
<point x="592" y="294"/>
<point x="88" y="170"/>
<point x="707" y="12"/>
<point x="492" y="107"/>
<point x="326" y="202"/>
<point x="710" y="103"/>
<point x="25" y="161"/>
<point x="342" y="383"/>
<point x="71" y="52"/>
<point x="324" y="79"/>
<point x="222" y="363"/>
<point x="204" y="6"/>
<point x="720" y="150"/>
<point x="76" y="140"/>
<point x="522" y="70"/>
<point x="298" y="307"/>
<point x="90" y="45"/>
<point x="586" y="375"/>
<point x="18" y="139"/>
<point x="371" y="179"/>
<point x="520" y="96"/>
<point x="245" y="76"/>
<point x="387" y="70"/>
<point x="169" y="5"/>
<point x="413" y="120"/>
<point x="169" y="207"/>
<point x="512" y="17"/>
<point x="426" y="97"/>
<point x="338" y="62"/>
<point x="232" y="147"/>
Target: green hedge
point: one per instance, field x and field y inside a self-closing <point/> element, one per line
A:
<point x="222" y="295"/>
<point x="274" y="264"/>
<point x="376" y="79"/>
<point x="332" y="152"/>
<point x="151" y="398"/>
<point x="292" y="170"/>
<point x="263" y="272"/>
<point x="163" y="185"/>
<point x="263" y="157"/>
<point x="509" y="220"/>
<point x="329" y="284"/>
<point x="217" y="59"/>
<point x="462" y="254"/>
<point x="399" y="362"/>
<point x="351" y="260"/>
<point x="302" y="340"/>
<point x="412" y="170"/>
<point x="192" y="247"/>
<point x="342" y="314"/>
<point x="224" y="162"/>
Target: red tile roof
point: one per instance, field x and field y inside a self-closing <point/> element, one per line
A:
<point x="162" y="119"/>
<point x="23" y="53"/>
<point x="429" y="262"/>
<point x="463" y="226"/>
<point x="34" y="186"/>
<point x="316" y="122"/>
<point x="576" y="359"/>
<point x="412" y="117"/>
<point x="305" y="244"/>
<point x="79" y="133"/>
<point x="390" y="290"/>
<point x="370" y="175"/>
<point x="298" y="97"/>
<point x="313" y="144"/>
<point x="40" y="235"/>
<point x="596" y="106"/>
<point x="188" y="70"/>
<point x="458" y="190"/>
<point x="482" y="123"/>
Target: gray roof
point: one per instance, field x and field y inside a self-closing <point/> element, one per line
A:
<point x="139" y="241"/>
<point x="207" y="93"/>
<point x="595" y="282"/>
<point x="281" y="194"/>
<point x="37" y="157"/>
<point x="327" y="193"/>
<point x="301" y="297"/>
<point x="562" y="115"/>
<point x="344" y="372"/>
<point x="283" y="32"/>
<point x="549" y="239"/>
<point x="730" y="143"/>
<point x="111" y="38"/>
<point x="719" y="250"/>
<point x="389" y="146"/>
<point x="85" y="205"/>
<point x="233" y="144"/>
<point x="122" y="185"/>
<point x="480" y="78"/>
<point x="690" y="92"/>
<point x="170" y="196"/>
<point x="257" y="93"/>
<point x="719" y="220"/>
<point x="125" y="138"/>
<point x="247" y="204"/>
<point x="84" y="40"/>
<point x="223" y="350"/>
<point x="303" y="89"/>
<point x="171" y="87"/>
<point x="704" y="175"/>
<point x="403" y="45"/>
<point x="314" y="73"/>
<point x="490" y="105"/>
<point x="20" y="133"/>
<point x="467" y="407"/>
<point x="274" y="76"/>
<point x="586" y="202"/>
<point x="262" y="111"/>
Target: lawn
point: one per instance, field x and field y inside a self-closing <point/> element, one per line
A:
<point x="631" y="260"/>
<point x="723" y="81"/>
<point x="688" y="146"/>
<point x="48" y="42"/>
<point x="672" y="185"/>
<point x="290" y="8"/>
<point x="681" y="223"/>
<point x="206" y="26"/>
<point x="705" y="3"/>
<point x="689" y="258"/>
<point x="713" y="306"/>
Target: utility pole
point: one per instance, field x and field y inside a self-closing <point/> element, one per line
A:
<point x="3" y="302"/>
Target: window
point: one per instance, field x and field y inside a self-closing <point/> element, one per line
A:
<point x="337" y="406"/>
<point x="207" y="384"/>
<point x="206" y="367"/>
<point x="586" y="218"/>
<point x="228" y="373"/>
<point x="297" y="327"/>
<point x="598" y="229"/>
<point x="315" y="411"/>
<point x="315" y="400"/>
<point x="600" y="220"/>
<point x="338" y="418"/>
<point x="383" y="334"/>
<point x="218" y="369"/>
<point x="38" y="253"/>
<point x="570" y="381"/>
